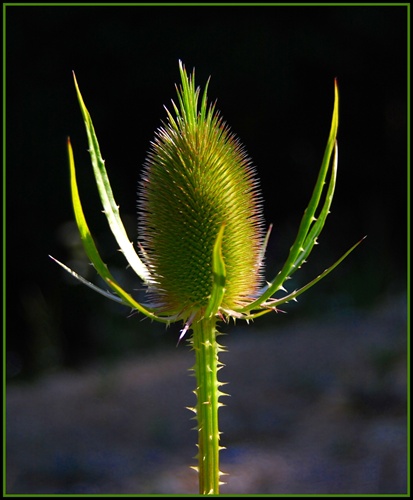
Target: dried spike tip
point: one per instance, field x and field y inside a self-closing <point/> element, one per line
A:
<point x="197" y="178"/>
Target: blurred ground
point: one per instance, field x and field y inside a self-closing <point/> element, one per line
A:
<point x="315" y="407"/>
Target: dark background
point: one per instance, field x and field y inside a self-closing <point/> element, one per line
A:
<point x="321" y="401"/>
<point x="272" y="72"/>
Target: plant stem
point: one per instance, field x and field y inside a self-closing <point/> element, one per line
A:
<point x="207" y="391"/>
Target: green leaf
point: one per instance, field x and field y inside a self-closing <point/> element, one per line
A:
<point x="88" y="283"/>
<point x="219" y="273"/>
<point x="272" y="304"/>
<point x="316" y="229"/>
<point x="129" y="300"/>
<point x="295" y="294"/>
<point x="310" y="226"/>
<point x="111" y="209"/>
<point x="85" y="235"/>
<point x="92" y="251"/>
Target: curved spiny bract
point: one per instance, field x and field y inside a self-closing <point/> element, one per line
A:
<point x="196" y="178"/>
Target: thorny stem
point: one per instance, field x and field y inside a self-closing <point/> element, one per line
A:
<point x="207" y="392"/>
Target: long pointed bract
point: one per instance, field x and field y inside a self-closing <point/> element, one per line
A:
<point x="307" y="235"/>
<point x="93" y="253"/>
<point x="110" y="207"/>
<point x="273" y="304"/>
<point x="219" y="273"/>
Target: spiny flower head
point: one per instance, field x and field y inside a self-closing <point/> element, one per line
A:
<point x="198" y="178"/>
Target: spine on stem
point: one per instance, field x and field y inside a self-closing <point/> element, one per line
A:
<point x="208" y="393"/>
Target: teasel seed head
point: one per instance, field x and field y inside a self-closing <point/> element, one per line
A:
<point x="196" y="179"/>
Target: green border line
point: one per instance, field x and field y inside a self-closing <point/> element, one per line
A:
<point x="207" y="4"/>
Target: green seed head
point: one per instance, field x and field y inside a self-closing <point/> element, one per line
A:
<point x="197" y="178"/>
